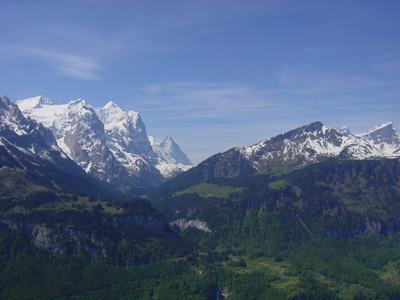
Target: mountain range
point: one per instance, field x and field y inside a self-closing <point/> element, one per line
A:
<point x="313" y="213"/>
<point x="284" y="154"/>
<point x="311" y="143"/>
<point x="29" y="154"/>
<point x="109" y="143"/>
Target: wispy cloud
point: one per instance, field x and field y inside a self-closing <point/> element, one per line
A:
<point x="201" y="99"/>
<point x="67" y="64"/>
<point x="306" y="79"/>
<point x="223" y="115"/>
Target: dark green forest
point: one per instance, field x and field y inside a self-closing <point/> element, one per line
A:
<point x="326" y="231"/>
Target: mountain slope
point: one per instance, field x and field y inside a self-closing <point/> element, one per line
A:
<point x="334" y="222"/>
<point x="109" y="143"/>
<point x="334" y="198"/>
<point x="171" y="160"/>
<point x="29" y="149"/>
<point x="49" y="200"/>
<point x="385" y="138"/>
<point x="311" y="143"/>
<point x="315" y="142"/>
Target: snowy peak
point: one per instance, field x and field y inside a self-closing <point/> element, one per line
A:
<point x="383" y="133"/>
<point x="34" y="102"/>
<point x="12" y="119"/>
<point x="315" y="142"/>
<point x="173" y="151"/>
<point x="169" y="151"/>
<point x="109" y="142"/>
<point x="125" y="129"/>
<point x="114" y="116"/>
<point x="26" y="141"/>
<point x="313" y="129"/>
<point x="168" y="144"/>
<point x="110" y="105"/>
<point x="383" y="126"/>
<point x="79" y="104"/>
<point x="345" y="130"/>
<point x="304" y="143"/>
<point x="171" y="159"/>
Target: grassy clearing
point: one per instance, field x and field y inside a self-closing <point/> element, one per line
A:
<point x="280" y="271"/>
<point x="82" y="203"/>
<point x="391" y="273"/>
<point x="278" y="185"/>
<point x="209" y="190"/>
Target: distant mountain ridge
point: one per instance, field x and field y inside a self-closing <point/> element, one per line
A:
<point x="170" y="157"/>
<point x="108" y="142"/>
<point x="307" y="144"/>
<point x="315" y="141"/>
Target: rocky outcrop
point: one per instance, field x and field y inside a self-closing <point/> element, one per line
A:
<point x="184" y="224"/>
<point x="80" y="240"/>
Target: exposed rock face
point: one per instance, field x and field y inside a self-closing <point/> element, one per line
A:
<point x="126" y="129"/>
<point x="184" y="224"/>
<point x="385" y="138"/>
<point x="72" y="239"/>
<point x="30" y="147"/>
<point x="109" y="143"/>
<point x="67" y="240"/>
<point x="170" y="151"/>
<point x="315" y="142"/>
<point x="26" y="144"/>
<point x="311" y="143"/>
<point x="171" y="160"/>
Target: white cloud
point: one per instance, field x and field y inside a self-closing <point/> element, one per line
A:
<point x="68" y="64"/>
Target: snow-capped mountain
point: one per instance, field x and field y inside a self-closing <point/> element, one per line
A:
<point x="30" y="147"/>
<point x="307" y="144"/>
<point x="316" y="141"/>
<point x="24" y="135"/>
<point x="385" y="138"/>
<point x="171" y="159"/>
<point x="109" y="142"/>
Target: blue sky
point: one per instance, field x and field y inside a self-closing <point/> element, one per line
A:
<point x="212" y="74"/>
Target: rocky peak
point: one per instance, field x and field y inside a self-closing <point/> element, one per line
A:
<point x="28" y="143"/>
<point x="170" y="151"/>
<point x="34" y="103"/>
<point x="108" y="142"/>
<point x="79" y="104"/>
<point x="41" y="100"/>
<point x="345" y="130"/>
<point x="115" y="117"/>
<point x="5" y="101"/>
<point x="110" y="104"/>
<point x="126" y="129"/>
<point x="13" y="119"/>
<point x="383" y="133"/>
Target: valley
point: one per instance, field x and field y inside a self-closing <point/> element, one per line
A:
<point x="313" y="213"/>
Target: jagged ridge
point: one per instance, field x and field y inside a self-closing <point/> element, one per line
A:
<point x="109" y="143"/>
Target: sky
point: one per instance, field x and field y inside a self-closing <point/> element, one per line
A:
<point x="212" y="74"/>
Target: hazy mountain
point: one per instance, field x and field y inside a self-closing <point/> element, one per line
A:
<point x="171" y="160"/>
